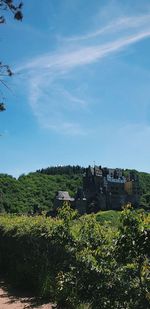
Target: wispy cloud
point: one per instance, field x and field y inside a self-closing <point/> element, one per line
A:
<point x="50" y="104"/>
<point x="121" y="24"/>
<point x="61" y="61"/>
<point x="46" y="72"/>
<point x="67" y="128"/>
<point x="74" y="101"/>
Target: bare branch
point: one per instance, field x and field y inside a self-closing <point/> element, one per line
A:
<point x="2" y="107"/>
<point x="10" y="5"/>
<point x="15" y="7"/>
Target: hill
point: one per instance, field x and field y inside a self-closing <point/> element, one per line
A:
<point x="35" y="189"/>
<point x="39" y="188"/>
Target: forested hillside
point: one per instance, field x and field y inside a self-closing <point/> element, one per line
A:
<point x="63" y="170"/>
<point x="34" y="189"/>
<point x="144" y="179"/>
<point x="39" y="188"/>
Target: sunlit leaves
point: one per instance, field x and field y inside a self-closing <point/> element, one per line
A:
<point x="79" y="260"/>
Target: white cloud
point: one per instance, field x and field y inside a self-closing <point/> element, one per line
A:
<point x="61" y="62"/>
<point x="67" y="128"/>
<point x="50" y="102"/>
<point x="121" y="24"/>
<point x="74" y="101"/>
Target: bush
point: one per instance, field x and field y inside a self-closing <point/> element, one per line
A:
<point x="77" y="261"/>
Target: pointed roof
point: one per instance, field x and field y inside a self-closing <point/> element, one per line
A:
<point x="64" y="195"/>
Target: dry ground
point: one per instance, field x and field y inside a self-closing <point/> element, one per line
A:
<point x="12" y="299"/>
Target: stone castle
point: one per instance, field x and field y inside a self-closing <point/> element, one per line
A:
<point x="103" y="189"/>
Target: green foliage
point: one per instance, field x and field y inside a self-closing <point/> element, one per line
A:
<point x="38" y="190"/>
<point x="132" y="255"/>
<point x="144" y="183"/>
<point x="66" y="213"/>
<point x="63" y="170"/>
<point x="144" y="180"/>
<point x="79" y="262"/>
<point x="35" y="189"/>
<point x="111" y="217"/>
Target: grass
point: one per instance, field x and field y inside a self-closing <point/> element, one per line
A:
<point x="110" y="216"/>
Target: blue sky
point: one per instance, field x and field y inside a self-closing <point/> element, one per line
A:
<point x="81" y="89"/>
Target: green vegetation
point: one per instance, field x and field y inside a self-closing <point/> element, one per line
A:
<point x="76" y="261"/>
<point x="35" y="189"/>
<point x="38" y="189"/>
<point x="110" y="216"/>
<point x="63" y="170"/>
<point x="144" y="181"/>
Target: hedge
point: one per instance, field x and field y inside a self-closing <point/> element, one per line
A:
<point x="78" y="261"/>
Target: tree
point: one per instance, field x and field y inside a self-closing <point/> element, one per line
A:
<point x="16" y="11"/>
<point x="132" y="255"/>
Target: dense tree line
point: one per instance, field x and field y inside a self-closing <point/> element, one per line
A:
<point x="144" y="182"/>
<point x="63" y="170"/>
<point x="34" y="190"/>
<point x="38" y="189"/>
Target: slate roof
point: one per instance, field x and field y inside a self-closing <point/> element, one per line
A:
<point x="63" y="196"/>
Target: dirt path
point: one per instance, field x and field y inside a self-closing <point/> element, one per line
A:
<point x="10" y="299"/>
